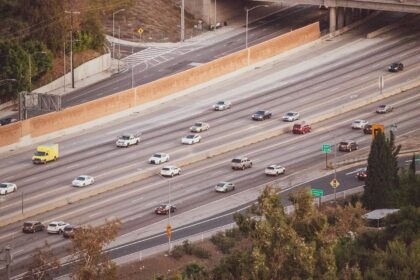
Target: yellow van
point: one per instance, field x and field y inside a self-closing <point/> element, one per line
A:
<point x="45" y="153"/>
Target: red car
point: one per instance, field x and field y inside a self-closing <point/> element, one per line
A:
<point x="301" y="128"/>
<point x="362" y="174"/>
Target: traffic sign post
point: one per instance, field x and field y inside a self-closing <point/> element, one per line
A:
<point x="326" y="149"/>
<point x="335" y="184"/>
<point x="317" y="193"/>
<point x="168" y="234"/>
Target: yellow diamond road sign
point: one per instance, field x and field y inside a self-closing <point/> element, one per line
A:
<point x="140" y="30"/>
<point x="334" y="183"/>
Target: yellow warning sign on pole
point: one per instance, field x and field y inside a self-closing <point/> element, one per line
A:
<point x="168" y="230"/>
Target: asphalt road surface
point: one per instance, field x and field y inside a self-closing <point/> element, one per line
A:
<point x="324" y="75"/>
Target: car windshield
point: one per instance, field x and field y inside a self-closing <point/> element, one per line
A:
<point x="68" y="228"/>
<point x="357" y="121"/>
<point x="220" y="184"/>
<point x="297" y="126"/>
<point x="198" y="124"/>
<point x="52" y="225"/>
<point x="221" y="103"/>
<point x="382" y="106"/>
<point x="3" y="186"/>
<point x="190" y="136"/>
<point x="80" y="178"/>
<point x="27" y="224"/>
<point x="260" y="113"/>
<point x="40" y="154"/>
<point x="125" y="137"/>
<point x="344" y="143"/>
<point x="270" y="168"/>
<point x="290" y="114"/>
<point x="166" y="168"/>
<point x="237" y="160"/>
<point x="157" y="155"/>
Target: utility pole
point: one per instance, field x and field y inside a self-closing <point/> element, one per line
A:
<point x="113" y="31"/>
<point x="182" y="20"/>
<point x="71" y="44"/>
<point x="119" y="47"/>
<point x="64" y="67"/>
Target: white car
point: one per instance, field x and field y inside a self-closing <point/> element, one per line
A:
<point x="170" y="170"/>
<point x="291" y="116"/>
<point x="159" y="158"/>
<point x="274" y="170"/>
<point x="225" y="187"/>
<point x="82" y="181"/>
<point x="384" y="108"/>
<point x="359" y="124"/>
<point x="222" y="105"/>
<point x="6" y="188"/>
<point x="56" y="227"/>
<point x="199" y="127"/>
<point x="191" y="139"/>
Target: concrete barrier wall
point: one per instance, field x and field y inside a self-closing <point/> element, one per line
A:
<point x="82" y="113"/>
<point x="119" y="102"/>
<point x="284" y="42"/>
<point x="92" y="67"/>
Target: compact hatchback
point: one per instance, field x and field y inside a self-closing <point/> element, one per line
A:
<point x="291" y="116"/>
<point x="32" y="226"/>
<point x="170" y="170"/>
<point x="56" y="227"/>
<point x="301" y="128"/>
<point x="347" y="146"/>
<point x="274" y="170"/>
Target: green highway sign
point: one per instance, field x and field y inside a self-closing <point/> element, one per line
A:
<point x="326" y="148"/>
<point x="317" y="192"/>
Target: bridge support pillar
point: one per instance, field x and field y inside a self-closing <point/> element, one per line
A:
<point x="340" y="18"/>
<point x="333" y="19"/>
<point x="348" y="13"/>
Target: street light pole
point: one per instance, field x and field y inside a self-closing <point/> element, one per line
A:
<point x="113" y="30"/>
<point x="246" y="27"/>
<point x="71" y="44"/>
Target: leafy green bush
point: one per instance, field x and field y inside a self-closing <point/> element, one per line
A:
<point x="177" y="252"/>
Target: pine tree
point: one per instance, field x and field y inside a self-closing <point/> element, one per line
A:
<point x="382" y="184"/>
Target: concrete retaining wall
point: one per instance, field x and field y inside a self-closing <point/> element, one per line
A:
<point x="26" y="131"/>
<point x="92" y="67"/>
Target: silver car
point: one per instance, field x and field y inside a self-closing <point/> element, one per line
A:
<point x="222" y="105"/>
<point x="225" y="187"/>
<point x="199" y="127"/>
<point x="274" y="170"/>
<point x="291" y="116"/>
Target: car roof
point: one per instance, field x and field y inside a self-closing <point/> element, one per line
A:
<point x="169" y="166"/>
<point x="32" y="222"/>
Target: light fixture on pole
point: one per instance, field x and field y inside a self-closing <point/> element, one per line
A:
<point x="113" y="30"/>
<point x="246" y="27"/>
<point x="71" y="44"/>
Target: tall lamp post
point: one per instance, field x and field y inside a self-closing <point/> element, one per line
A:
<point x="246" y="25"/>
<point x="71" y="44"/>
<point x="113" y="30"/>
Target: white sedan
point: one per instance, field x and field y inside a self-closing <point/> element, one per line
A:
<point x="291" y="116"/>
<point x="191" y="139"/>
<point x="274" y="170"/>
<point x="56" y="227"/>
<point x="159" y="158"/>
<point x="359" y="124"/>
<point x="170" y="170"/>
<point x="199" y="127"/>
<point x="225" y="187"/>
<point x="222" y="105"/>
<point x="6" y="188"/>
<point x="83" y="181"/>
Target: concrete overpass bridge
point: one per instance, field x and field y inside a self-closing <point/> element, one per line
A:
<point x="341" y="12"/>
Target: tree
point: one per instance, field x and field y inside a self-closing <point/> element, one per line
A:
<point x="382" y="184"/>
<point x="41" y="58"/>
<point x="14" y="65"/>
<point x="87" y="248"/>
<point x="44" y="264"/>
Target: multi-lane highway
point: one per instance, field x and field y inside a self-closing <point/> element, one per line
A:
<point x="328" y="74"/>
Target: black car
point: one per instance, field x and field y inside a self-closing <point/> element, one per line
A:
<point x="396" y="67"/>
<point x="347" y="146"/>
<point x="367" y="129"/>
<point x="7" y="121"/>
<point x="261" y="115"/>
<point x="32" y="226"/>
<point x="164" y="209"/>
